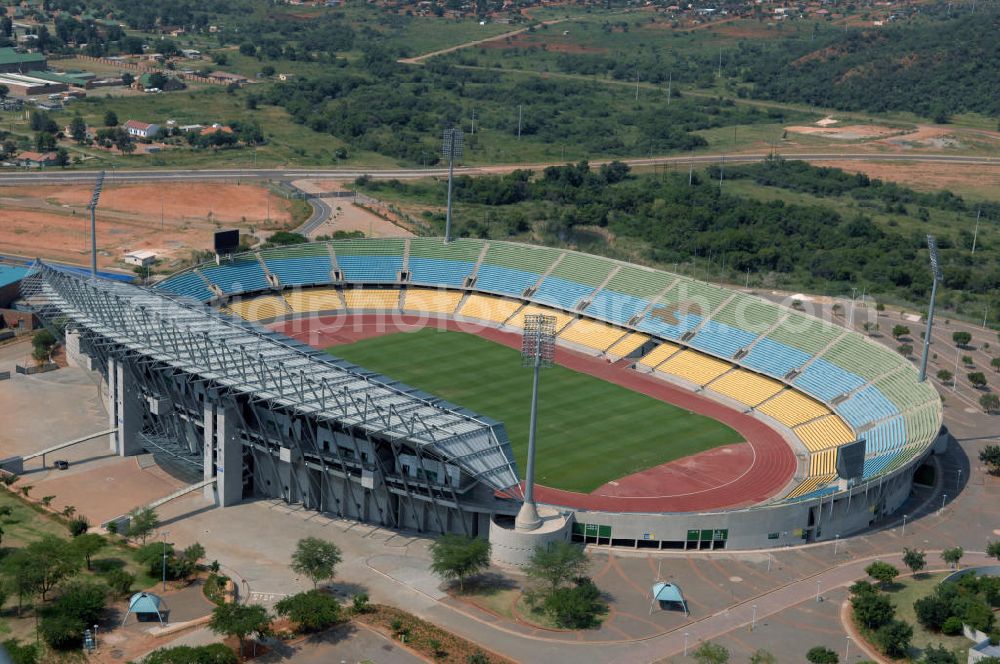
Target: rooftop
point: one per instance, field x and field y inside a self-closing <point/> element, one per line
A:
<point x="10" y="274"/>
<point x="10" y="55"/>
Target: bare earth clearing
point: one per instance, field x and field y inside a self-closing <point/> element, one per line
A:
<point x="170" y="219"/>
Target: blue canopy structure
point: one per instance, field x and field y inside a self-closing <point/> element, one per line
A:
<point x="668" y="593"/>
<point x="145" y="606"/>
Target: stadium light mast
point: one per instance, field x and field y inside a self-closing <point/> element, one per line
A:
<point x="936" y="273"/>
<point x="94" y="197"/>
<point x="451" y="148"/>
<point x="537" y="352"/>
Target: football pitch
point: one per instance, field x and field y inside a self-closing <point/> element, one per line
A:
<point x="589" y="431"/>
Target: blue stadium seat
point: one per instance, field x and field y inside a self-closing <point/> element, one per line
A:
<point x="655" y="324"/>
<point x="561" y="293"/>
<point x="774" y="358"/>
<point x="868" y="405"/>
<point x="188" y="284"/>
<point x="245" y="276"/>
<point x="827" y="381"/>
<point x="825" y="491"/>
<point x="616" y="307"/>
<point x="370" y="268"/>
<point x="436" y="272"/>
<point x="504" y="279"/>
<point x="302" y="270"/>
<point x="887" y="436"/>
<point x="878" y="464"/>
<point x="721" y="339"/>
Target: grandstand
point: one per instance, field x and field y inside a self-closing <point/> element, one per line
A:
<point x="820" y="385"/>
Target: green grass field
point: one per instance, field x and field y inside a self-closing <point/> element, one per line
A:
<point x="589" y="431"/>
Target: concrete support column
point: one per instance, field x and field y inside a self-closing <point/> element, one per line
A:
<point x="229" y="455"/>
<point x="124" y="410"/>
<point x="208" y="449"/>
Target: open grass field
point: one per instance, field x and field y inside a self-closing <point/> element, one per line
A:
<point x="589" y="431"/>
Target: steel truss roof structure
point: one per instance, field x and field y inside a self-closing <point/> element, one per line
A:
<point x="267" y="366"/>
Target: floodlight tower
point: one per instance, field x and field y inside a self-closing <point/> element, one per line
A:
<point x="936" y="273"/>
<point x="94" y="197"/>
<point x="537" y="351"/>
<point x="451" y="148"/>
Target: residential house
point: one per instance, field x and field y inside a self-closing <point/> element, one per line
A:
<point x="227" y="77"/>
<point x="36" y="159"/>
<point x="141" y="129"/>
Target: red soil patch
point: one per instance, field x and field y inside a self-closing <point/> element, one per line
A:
<point x="726" y="477"/>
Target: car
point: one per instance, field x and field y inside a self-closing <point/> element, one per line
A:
<point x="61" y="464"/>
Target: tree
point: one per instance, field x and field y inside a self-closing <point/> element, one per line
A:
<point x="240" y="620"/>
<point x="953" y="556"/>
<point x="938" y="655"/>
<point x="961" y="339"/>
<point x="576" y="607"/>
<point x="78" y="128"/>
<point x="900" y="331"/>
<point x="557" y="563"/>
<point x="995" y="363"/>
<point x="990" y="456"/>
<point x="312" y="611"/>
<point x="127" y="80"/>
<point x="993" y="549"/>
<point x="42" y="565"/>
<point x="990" y="402"/>
<point x="42" y="344"/>
<point x="710" y="653"/>
<point x="762" y="656"/>
<point x="62" y="158"/>
<point x="977" y="379"/>
<point x="932" y="611"/>
<point x="872" y="610"/>
<point x="944" y="376"/>
<point x="110" y="119"/>
<point x="906" y="350"/>
<point x="915" y="560"/>
<point x="458" y="557"/>
<point x="316" y="559"/>
<point x="893" y="638"/>
<point x="76" y="609"/>
<point x="120" y="582"/>
<point x="882" y="572"/>
<point x="822" y="655"/>
<point x="142" y="522"/>
<point x="44" y="141"/>
<point x="87" y="545"/>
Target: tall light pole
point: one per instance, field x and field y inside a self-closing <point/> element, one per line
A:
<point x="451" y="149"/>
<point x="936" y="273"/>
<point x="92" y="206"/>
<point x="537" y="352"/>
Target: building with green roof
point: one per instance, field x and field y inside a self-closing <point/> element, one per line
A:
<point x="13" y="61"/>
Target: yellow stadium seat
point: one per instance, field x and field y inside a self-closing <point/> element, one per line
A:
<point x="431" y="301"/>
<point x="313" y="299"/>
<point x="485" y="307"/>
<point x="746" y="387"/>
<point x="695" y="367"/>
<point x="658" y="354"/>
<point x="364" y="298"/>
<point x="829" y="431"/>
<point x="259" y="308"/>
<point x="532" y="309"/>
<point x="627" y="344"/>
<point x="809" y="485"/>
<point x="792" y="408"/>
<point x="592" y="334"/>
<point x="823" y="463"/>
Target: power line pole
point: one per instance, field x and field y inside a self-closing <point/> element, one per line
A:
<point x="936" y="272"/>
<point x="670" y="85"/>
<point x="94" y="197"/>
<point x="451" y="148"/>
<point x="519" y="122"/>
<point x="975" y="235"/>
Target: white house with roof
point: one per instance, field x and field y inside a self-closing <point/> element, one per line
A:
<point x="141" y="129"/>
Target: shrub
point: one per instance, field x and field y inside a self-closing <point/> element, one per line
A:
<point x="893" y="638"/>
<point x="360" y="603"/>
<point x="577" y="607"/>
<point x="821" y="655"/>
<point x="952" y="625"/>
<point x="26" y="654"/>
<point x="312" y="611"/>
<point x="215" y="653"/>
<point x="78" y="526"/>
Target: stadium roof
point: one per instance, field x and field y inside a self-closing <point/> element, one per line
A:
<point x="10" y="274"/>
<point x="251" y="360"/>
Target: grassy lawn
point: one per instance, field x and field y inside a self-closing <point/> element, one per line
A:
<point x="903" y="594"/>
<point x="582" y="445"/>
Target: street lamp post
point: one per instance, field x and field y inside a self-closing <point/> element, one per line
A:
<point x="685" y="644"/>
<point x="753" y="619"/>
<point x="903" y="533"/>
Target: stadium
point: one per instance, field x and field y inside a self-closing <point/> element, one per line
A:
<point x="377" y="379"/>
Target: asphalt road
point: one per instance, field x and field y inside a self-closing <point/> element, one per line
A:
<point x="70" y="176"/>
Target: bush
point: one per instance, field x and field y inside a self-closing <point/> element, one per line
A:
<point x="26" y="654"/>
<point x="62" y="632"/>
<point x="577" y="607"/>
<point x="78" y="526"/>
<point x="952" y="625"/>
<point x="119" y="581"/>
<point x="215" y="653"/>
<point x="312" y="611"/>
<point x="893" y="638"/>
<point x="821" y="655"/>
<point x="360" y="603"/>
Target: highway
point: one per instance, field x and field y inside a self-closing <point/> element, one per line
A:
<point x="54" y="176"/>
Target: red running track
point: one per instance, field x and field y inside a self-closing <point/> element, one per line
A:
<point x="722" y="478"/>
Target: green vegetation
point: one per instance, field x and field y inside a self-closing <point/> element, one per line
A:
<point x="488" y="378"/>
<point x="240" y="621"/>
<point x="791" y="225"/>
<point x="990" y="455"/>
<point x="822" y="655"/>
<point x="710" y="653"/>
<point x="311" y="611"/>
<point x="458" y="557"/>
<point x="315" y="559"/>
<point x="567" y="596"/>
<point x="215" y="653"/>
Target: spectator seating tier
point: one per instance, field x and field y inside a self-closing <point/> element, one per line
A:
<point x="592" y="334"/>
<point x="241" y="275"/>
<point x="825" y="432"/>
<point x="313" y="299"/>
<point x="259" y="308"/>
<point x="792" y="408"/>
<point x="808" y="334"/>
<point x="695" y="367"/>
<point x="746" y="387"/>
<point x="187" y="284"/>
<point x="658" y="355"/>
<point x="827" y="381"/>
<point x="486" y="307"/>
<point x="868" y="405"/>
<point x="365" y="298"/>
<point x="774" y="358"/>
<point x="627" y="344"/>
<point x="812" y="487"/>
<point x="431" y="301"/>
<point x="517" y="320"/>
<point x="822" y="464"/>
<point x="721" y="339"/>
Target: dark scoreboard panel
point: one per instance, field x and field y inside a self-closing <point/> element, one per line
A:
<point x="851" y="460"/>
<point x="227" y="241"/>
